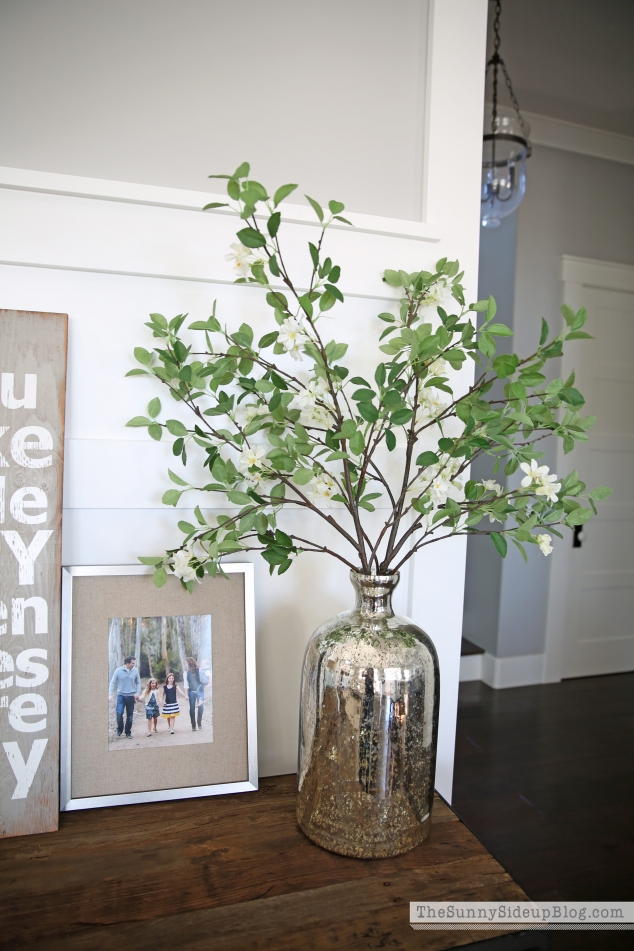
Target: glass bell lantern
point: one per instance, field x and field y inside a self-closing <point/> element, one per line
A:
<point x="504" y="154"/>
<point x="506" y="146"/>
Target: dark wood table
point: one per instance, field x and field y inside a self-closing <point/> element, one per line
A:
<point x="232" y="872"/>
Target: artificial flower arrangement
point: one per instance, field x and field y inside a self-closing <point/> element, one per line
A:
<point x="316" y="436"/>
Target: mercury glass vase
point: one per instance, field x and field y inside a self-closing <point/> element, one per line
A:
<point x="368" y="728"/>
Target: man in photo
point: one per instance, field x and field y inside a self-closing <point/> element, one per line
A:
<point x="127" y="683"/>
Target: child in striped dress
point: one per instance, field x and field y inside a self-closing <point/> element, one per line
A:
<point x="170" y="702"/>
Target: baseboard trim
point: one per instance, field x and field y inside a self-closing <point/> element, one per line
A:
<point x="501" y="672"/>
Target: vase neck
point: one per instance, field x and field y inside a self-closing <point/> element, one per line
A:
<point x="374" y="593"/>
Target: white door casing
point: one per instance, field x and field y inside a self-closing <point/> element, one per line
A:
<point x="590" y="627"/>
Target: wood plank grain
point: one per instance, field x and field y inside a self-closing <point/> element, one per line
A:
<point x="236" y="865"/>
<point x="32" y="397"/>
<point x="369" y="913"/>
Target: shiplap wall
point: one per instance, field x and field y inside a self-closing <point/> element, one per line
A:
<point x="108" y="253"/>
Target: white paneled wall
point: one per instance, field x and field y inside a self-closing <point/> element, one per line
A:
<point x="109" y="253"/>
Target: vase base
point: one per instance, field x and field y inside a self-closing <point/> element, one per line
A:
<point x="358" y="826"/>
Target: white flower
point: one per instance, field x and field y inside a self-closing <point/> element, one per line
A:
<point x="549" y="488"/>
<point x="182" y="567"/>
<point x="323" y="487"/>
<point x="247" y="412"/>
<point x="251" y="457"/>
<point x="439" y="490"/>
<point x="439" y="481"/>
<point x="291" y="336"/>
<point x="431" y="405"/>
<point x="314" y="403"/>
<point x="436" y="293"/>
<point x="243" y="259"/>
<point x="547" y="485"/>
<point x="544" y="543"/>
<point x="438" y="368"/>
<point x="534" y="473"/>
<point x="492" y="486"/>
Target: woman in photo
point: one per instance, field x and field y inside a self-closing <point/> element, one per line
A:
<point x="170" y="702"/>
<point x="150" y="697"/>
<point x="195" y="693"/>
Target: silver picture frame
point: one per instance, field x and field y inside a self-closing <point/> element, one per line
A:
<point x="67" y="803"/>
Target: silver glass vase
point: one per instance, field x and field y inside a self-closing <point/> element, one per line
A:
<point x="368" y="728"/>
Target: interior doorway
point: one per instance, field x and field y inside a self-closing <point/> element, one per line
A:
<point x="590" y="626"/>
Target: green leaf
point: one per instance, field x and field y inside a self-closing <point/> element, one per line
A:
<point x="579" y="516"/>
<point x="239" y="498"/>
<point x="427" y="459"/>
<point x="186" y="528"/>
<point x="251" y="238"/>
<point x="282" y="192"/>
<point x="357" y="443"/>
<point x="392" y="278"/>
<point x="578" y="335"/>
<point x="505" y="365"/>
<point x="273" y="223"/>
<point x="154" y="407"/>
<point x="368" y="411"/>
<point x="336" y="207"/>
<point x="139" y="421"/>
<point x="500" y="543"/>
<point x="571" y="396"/>
<point x="268" y="339"/>
<point x="543" y="337"/>
<point x="171" y="497"/>
<point x="521" y="550"/>
<point x="486" y="345"/>
<point x="390" y="440"/>
<point x="143" y="356"/>
<point x="500" y="330"/>
<point x="319" y="211"/>
<point x="155" y="431"/>
<point x="334" y="291"/>
<point x="344" y="220"/>
<point x="176" y="478"/>
<point x="359" y="381"/>
<point x="159" y="577"/>
<point x="401" y="416"/>
<point x="363" y="396"/>
<point x="302" y="476"/>
<point x="601" y="492"/>
<point x="568" y="314"/>
<point x="146" y="560"/>
<point x="215" y="204"/>
<point x="176" y="428"/>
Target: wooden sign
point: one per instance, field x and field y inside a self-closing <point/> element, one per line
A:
<point x="32" y="394"/>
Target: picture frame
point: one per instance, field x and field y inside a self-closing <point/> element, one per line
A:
<point x="100" y="765"/>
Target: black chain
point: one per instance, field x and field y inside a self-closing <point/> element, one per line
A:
<point x="497" y="62"/>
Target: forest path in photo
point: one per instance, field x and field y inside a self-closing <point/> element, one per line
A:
<point x="183" y="734"/>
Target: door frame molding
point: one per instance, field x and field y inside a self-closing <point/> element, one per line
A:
<point x="576" y="273"/>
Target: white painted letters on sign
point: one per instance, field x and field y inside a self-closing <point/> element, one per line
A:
<point x="32" y="385"/>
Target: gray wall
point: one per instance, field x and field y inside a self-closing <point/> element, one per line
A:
<point x="574" y="205"/>
<point x="165" y="92"/>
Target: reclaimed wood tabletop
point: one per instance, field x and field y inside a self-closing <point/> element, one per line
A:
<point x="231" y="872"/>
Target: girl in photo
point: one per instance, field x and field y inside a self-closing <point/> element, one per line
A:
<point x="150" y="697"/>
<point x="170" y="702"/>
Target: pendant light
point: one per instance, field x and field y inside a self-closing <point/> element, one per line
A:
<point x="506" y="147"/>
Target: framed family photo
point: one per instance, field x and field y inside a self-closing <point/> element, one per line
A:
<point x="158" y="686"/>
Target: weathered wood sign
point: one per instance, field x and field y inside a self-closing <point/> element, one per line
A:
<point x="32" y="394"/>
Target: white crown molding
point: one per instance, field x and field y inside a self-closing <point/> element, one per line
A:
<point x="76" y="186"/>
<point x="593" y="273"/>
<point x="571" y="137"/>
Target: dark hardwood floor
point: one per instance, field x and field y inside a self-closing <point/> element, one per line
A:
<point x="544" y="777"/>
